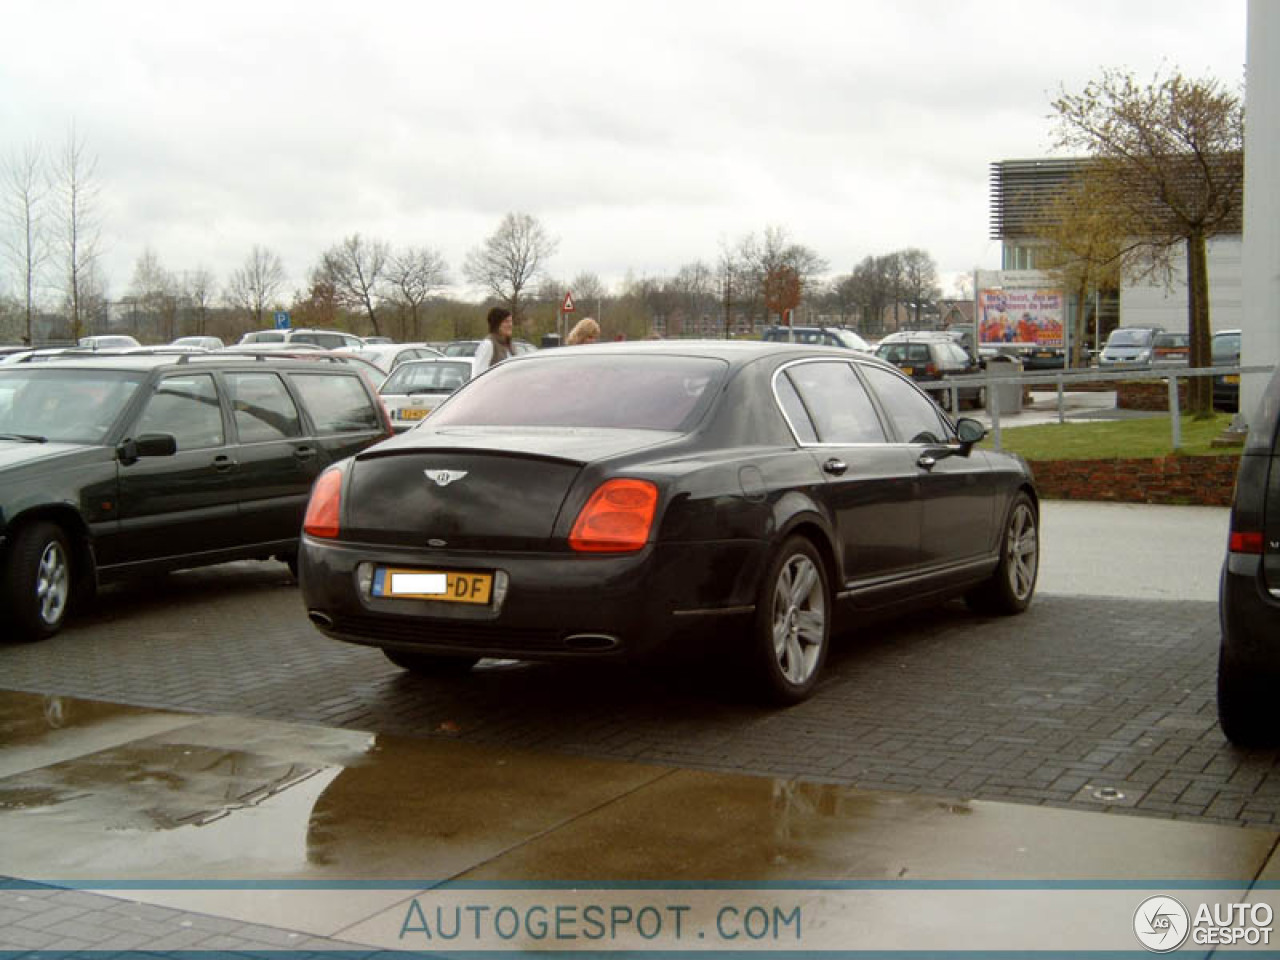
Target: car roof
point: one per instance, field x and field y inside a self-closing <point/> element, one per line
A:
<point x="145" y="362"/>
<point x="734" y="352"/>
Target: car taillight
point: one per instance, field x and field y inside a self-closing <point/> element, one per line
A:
<point x="322" y="510"/>
<point x="617" y="518"/>
<point x="1244" y="541"/>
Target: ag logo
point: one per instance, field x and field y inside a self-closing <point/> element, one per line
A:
<point x="1161" y="924"/>
<point x="444" y="477"/>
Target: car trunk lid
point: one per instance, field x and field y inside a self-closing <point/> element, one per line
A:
<point x="475" y="488"/>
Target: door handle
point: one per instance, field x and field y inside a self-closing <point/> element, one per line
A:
<point x="304" y="453"/>
<point x="223" y="463"/>
<point x="835" y="467"/>
<point x="926" y="461"/>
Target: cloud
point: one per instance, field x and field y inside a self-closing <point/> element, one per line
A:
<point x="642" y="135"/>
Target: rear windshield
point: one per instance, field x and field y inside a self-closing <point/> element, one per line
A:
<point x="592" y="390"/>
<point x="1129" y="338"/>
<point x="440" y="376"/>
<point x="461" y="348"/>
<point x="68" y="406"/>
<point x="1226" y="348"/>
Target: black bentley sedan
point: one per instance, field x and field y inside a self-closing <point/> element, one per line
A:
<point x="607" y="500"/>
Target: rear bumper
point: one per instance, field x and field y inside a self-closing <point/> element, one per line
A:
<point x="546" y="606"/>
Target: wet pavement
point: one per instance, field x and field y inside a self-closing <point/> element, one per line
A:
<point x="256" y="787"/>
<point x="161" y="800"/>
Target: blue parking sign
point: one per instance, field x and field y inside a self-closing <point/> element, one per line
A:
<point x="282" y="320"/>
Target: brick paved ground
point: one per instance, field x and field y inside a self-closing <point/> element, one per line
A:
<point x="35" y="918"/>
<point x="1077" y="695"/>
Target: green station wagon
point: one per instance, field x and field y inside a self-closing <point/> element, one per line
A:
<point x="130" y="465"/>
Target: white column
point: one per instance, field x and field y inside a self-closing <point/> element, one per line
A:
<point x="1261" y="327"/>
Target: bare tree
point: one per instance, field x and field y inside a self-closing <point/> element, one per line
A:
<point x="255" y="285"/>
<point x="357" y="269"/>
<point x="197" y="291"/>
<point x="511" y="258"/>
<point x="412" y="276"/>
<point x="26" y="243"/>
<point x="1170" y="156"/>
<point x="919" y="279"/>
<point x="76" y="180"/>
<point x="154" y="291"/>
<point x="694" y="287"/>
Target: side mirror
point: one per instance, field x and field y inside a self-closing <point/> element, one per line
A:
<point x="969" y="431"/>
<point x="147" y="445"/>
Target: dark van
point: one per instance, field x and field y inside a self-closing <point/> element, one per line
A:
<point x="131" y="465"/>
<point x="1249" y="601"/>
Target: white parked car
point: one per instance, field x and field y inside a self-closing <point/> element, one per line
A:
<point x="324" y="339"/>
<point x="388" y="356"/>
<point x="204" y="343"/>
<point x="111" y="341"/>
<point x="416" y="387"/>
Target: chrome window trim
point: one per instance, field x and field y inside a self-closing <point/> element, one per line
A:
<point x="819" y="445"/>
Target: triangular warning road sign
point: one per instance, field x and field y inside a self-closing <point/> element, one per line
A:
<point x="567" y="306"/>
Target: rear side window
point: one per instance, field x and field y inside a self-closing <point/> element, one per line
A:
<point x="187" y="407"/>
<point x="837" y="403"/>
<point x="263" y="408"/>
<point x="914" y="416"/>
<point x="329" y="341"/>
<point x="337" y="402"/>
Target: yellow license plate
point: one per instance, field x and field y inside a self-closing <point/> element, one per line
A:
<point x="908" y="370"/>
<point x="1232" y="378"/>
<point x="448" y="586"/>
<point x="414" y="413"/>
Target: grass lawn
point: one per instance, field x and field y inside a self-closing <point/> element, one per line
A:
<point x="1101" y="440"/>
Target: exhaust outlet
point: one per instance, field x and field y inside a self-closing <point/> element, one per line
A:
<point x="320" y="619"/>
<point x="592" y="641"/>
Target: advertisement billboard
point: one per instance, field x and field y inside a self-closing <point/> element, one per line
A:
<point x="1021" y="317"/>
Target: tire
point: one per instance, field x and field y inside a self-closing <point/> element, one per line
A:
<point x="38" y="581"/>
<point x="1246" y="708"/>
<point x="429" y="664"/>
<point x="792" y="627"/>
<point x="1010" y="588"/>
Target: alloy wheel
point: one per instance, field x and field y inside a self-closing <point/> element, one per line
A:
<point x="1022" y="551"/>
<point x="799" y="619"/>
<point x="53" y="583"/>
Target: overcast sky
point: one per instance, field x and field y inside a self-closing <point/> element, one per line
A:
<point x="642" y="134"/>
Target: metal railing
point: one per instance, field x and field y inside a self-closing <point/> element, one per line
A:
<point x="1062" y="379"/>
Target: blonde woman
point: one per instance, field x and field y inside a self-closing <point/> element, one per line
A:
<point x="585" y="330"/>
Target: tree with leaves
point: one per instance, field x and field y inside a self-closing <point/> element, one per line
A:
<point x="1169" y="156"/>
<point x="1088" y="246"/>
<point x="511" y="258"/>
<point x="255" y="286"/>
